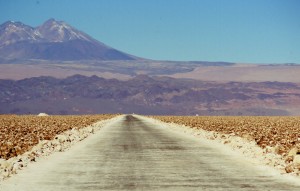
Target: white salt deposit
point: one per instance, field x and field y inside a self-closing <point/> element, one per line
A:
<point x="42" y="114"/>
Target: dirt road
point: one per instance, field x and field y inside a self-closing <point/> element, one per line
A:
<point x="132" y="154"/>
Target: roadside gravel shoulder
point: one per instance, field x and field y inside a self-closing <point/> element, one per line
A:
<point x="45" y="148"/>
<point x="247" y="148"/>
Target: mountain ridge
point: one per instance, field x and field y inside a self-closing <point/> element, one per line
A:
<point x="143" y="94"/>
<point x="53" y="40"/>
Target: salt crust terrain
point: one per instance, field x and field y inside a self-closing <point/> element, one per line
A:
<point x="43" y="149"/>
<point x="249" y="149"/>
<point x="64" y="141"/>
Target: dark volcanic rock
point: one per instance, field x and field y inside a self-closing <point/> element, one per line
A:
<point x="160" y="95"/>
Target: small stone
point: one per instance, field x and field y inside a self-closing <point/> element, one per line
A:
<point x="226" y="142"/>
<point x="61" y="138"/>
<point x="91" y="130"/>
<point x="289" y="159"/>
<point x="296" y="161"/>
<point x="15" y="168"/>
<point x="293" y="152"/>
<point x="279" y="149"/>
<point x="289" y="168"/>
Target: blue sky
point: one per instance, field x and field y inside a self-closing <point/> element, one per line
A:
<point x="247" y="31"/>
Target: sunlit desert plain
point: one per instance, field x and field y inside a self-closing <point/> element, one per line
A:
<point x="19" y="134"/>
<point x="277" y="135"/>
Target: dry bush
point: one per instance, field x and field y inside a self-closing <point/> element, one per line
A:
<point x="19" y="134"/>
<point x="281" y="133"/>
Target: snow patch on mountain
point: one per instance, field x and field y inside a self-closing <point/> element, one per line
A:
<point x="50" y="31"/>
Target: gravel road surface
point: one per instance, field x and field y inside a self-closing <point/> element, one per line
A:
<point x="132" y="154"/>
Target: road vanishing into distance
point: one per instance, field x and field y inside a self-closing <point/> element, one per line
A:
<point x="133" y="154"/>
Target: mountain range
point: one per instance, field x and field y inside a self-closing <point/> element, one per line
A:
<point x="57" y="69"/>
<point x="147" y="95"/>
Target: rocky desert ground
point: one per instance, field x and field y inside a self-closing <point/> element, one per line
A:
<point x="272" y="141"/>
<point x="25" y="138"/>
